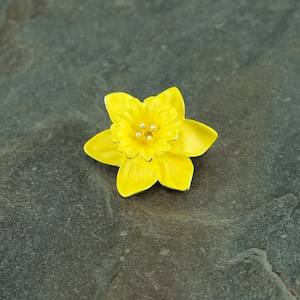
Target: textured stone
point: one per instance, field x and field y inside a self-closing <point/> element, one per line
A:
<point x="65" y="231"/>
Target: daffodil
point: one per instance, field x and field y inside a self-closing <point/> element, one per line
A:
<point x="150" y="141"/>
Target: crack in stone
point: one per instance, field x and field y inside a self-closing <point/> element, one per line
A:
<point x="118" y="269"/>
<point x="262" y="257"/>
<point x="119" y="266"/>
<point x="283" y="281"/>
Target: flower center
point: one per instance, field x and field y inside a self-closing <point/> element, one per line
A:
<point x="145" y="133"/>
<point x="145" y="128"/>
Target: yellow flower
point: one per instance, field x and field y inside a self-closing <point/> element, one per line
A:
<point x="150" y="141"/>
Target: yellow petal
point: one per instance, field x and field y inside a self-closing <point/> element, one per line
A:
<point x="175" y="171"/>
<point x="172" y="96"/>
<point x="152" y="103"/>
<point x="100" y="147"/>
<point x="136" y="175"/>
<point x="194" y="138"/>
<point x="115" y="102"/>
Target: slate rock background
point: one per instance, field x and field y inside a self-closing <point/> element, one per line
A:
<point x="65" y="231"/>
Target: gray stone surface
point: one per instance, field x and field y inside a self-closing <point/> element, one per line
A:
<point x="65" y="231"/>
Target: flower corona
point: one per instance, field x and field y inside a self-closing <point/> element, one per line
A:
<point x="150" y="141"/>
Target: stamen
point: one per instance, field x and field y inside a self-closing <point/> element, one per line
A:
<point x="152" y="127"/>
<point x="142" y="125"/>
<point x="138" y="134"/>
<point x="149" y="137"/>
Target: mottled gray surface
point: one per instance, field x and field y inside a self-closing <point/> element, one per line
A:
<point x="65" y="231"/>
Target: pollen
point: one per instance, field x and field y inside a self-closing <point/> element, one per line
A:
<point x="145" y="133"/>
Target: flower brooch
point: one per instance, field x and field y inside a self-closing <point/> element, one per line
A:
<point x="150" y="141"/>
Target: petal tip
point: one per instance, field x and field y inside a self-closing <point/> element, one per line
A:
<point x="173" y="97"/>
<point x="86" y="147"/>
<point x="101" y="148"/>
<point x="174" y="89"/>
<point x="136" y="175"/>
<point x="128" y="193"/>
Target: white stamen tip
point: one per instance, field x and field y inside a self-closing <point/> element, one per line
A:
<point x="138" y="134"/>
<point x="142" y="125"/>
<point x="152" y="127"/>
<point x="149" y="137"/>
